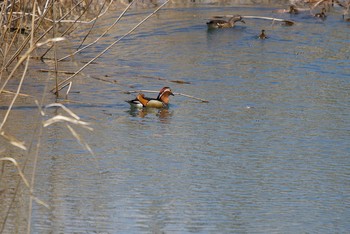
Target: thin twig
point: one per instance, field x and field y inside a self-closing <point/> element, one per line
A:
<point x="141" y="91"/>
<point x="55" y="48"/>
<point x="59" y="71"/>
<point x="35" y="163"/>
<point x="189" y="96"/>
<point x="289" y="22"/>
<point x="13" y="93"/>
<point x="80" y="139"/>
<point x="69" y="87"/>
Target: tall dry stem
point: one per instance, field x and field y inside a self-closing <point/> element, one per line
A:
<point x="26" y="26"/>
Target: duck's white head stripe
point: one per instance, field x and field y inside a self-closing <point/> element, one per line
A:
<point x="163" y="91"/>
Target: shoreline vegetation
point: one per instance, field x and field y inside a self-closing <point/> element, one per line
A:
<point x="35" y="30"/>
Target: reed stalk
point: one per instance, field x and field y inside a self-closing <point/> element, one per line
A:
<point x="26" y="26"/>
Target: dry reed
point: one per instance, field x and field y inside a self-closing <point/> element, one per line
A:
<point x="28" y="27"/>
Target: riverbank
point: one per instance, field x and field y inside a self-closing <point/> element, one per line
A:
<point x="206" y="2"/>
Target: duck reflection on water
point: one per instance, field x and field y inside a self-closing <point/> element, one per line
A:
<point x="163" y="114"/>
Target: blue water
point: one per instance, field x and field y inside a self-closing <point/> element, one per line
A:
<point x="269" y="153"/>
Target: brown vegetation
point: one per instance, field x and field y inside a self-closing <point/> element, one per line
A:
<point x="39" y="27"/>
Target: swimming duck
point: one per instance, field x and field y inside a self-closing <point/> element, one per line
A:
<point x="219" y="23"/>
<point x="263" y="35"/>
<point x="321" y="15"/>
<point x="161" y="101"/>
<point x="293" y="10"/>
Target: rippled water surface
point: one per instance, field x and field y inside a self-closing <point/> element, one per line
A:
<point x="269" y="153"/>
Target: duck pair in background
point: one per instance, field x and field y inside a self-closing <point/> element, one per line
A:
<point x="161" y="101"/>
<point x="293" y="10"/>
<point x="220" y="23"/>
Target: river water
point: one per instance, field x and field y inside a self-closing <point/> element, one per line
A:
<point x="269" y="153"/>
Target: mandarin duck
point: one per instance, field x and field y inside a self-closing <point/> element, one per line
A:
<point x="161" y="101"/>
<point x="219" y="23"/>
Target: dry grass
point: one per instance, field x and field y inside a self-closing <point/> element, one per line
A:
<point x="28" y="28"/>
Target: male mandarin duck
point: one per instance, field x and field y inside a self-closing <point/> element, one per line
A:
<point x="219" y="23"/>
<point x="161" y="101"/>
<point x="263" y="35"/>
